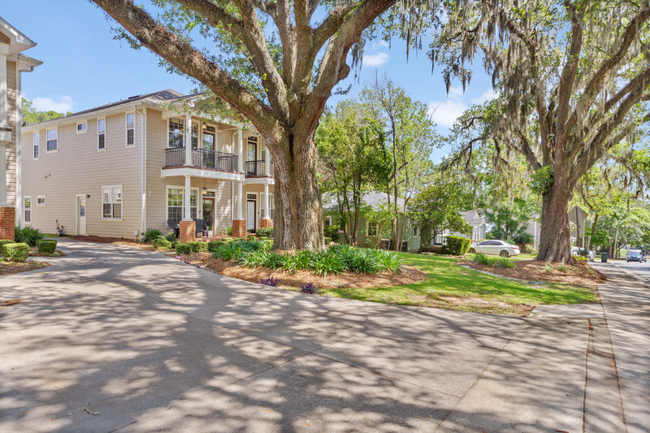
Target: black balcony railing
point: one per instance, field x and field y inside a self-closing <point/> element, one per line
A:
<point x="202" y="158"/>
<point x="258" y="168"/>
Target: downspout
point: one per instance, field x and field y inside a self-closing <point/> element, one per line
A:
<point x="19" y="144"/>
<point x="143" y="173"/>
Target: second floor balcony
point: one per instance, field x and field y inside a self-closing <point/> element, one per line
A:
<point x="258" y="169"/>
<point x="202" y="158"/>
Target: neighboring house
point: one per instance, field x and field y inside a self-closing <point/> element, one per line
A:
<point x="369" y="233"/>
<point x="475" y="220"/>
<point x="12" y="64"/>
<point x="122" y="168"/>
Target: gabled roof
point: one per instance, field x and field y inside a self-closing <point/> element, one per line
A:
<point x="372" y="198"/>
<point x="473" y="218"/>
<point x="18" y="42"/>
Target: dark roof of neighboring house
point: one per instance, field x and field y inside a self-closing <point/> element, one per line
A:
<point x="372" y="198"/>
<point x="472" y="217"/>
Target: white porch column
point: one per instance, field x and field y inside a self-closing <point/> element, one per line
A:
<point x="267" y="164"/>
<point x="5" y="130"/>
<point x="240" y="201"/>
<point x="188" y="140"/>
<point x="240" y="150"/>
<point x="266" y="198"/>
<point x="186" y="198"/>
<point x="4" y="50"/>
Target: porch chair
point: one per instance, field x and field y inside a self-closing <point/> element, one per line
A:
<point x="201" y="227"/>
<point x="174" y="226"/>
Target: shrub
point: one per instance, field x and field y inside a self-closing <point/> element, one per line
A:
<point x="16" y="252"/>
<point x="161" y="244"/>
<point x="332" y="232"/>
<point x="506" y="263"/>
<point x="308" y="288"/>
<point x="150" y="235"/>
<point x="4" y="242"/>
<point x="456" y="245"/>
<point x="265" y="232"/>
<point x="28" y="235"/>
<point x="270" y="281"/>
<point x="328" y="240"/>
<point x="198" y="246"/>
<point x="46" y="246"/>
<point x="213" y="245"/>
<point x="171" y="237"/>
<point x="183" y="248"/>
<point x="229" y="231"/>
<point x="326" y="262"/>
<point x="226" y="239"/>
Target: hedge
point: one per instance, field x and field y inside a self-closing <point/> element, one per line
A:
<point x="265" y="232"/>
<point x="4" y="242"/>
<point x="213" y="245"/>
<point x="46" y="246"/>
<point x="16" y="252"/>
<point x="183" y="248"/>
<point x="161" y="244"/>
<point x="198" y="246"/>
<point x="456" y="245"/>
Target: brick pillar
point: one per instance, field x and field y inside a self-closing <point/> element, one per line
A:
<point x="187" y="231"/>
<point x="266" y="222"/>
<point x="239" y="228"/>
<point x="7" y="222"/>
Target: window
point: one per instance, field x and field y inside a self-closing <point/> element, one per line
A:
<point x="130" y="129"/>
<point x="176" y="132"/>
<point x="112" y="202"/>
<point x="101" y="134"/>
<point x="40" y="200"/>
<point x="251" y="153"/>
<point x="82" y="127"/>
<point x="36" y="149"/>
<point x="251" y="197"/>
<point x="372" y="229"/>
<point x="28" y="210"/>
<point x="195" y="135"/>
<point x="415" y="231"/>
<point x="328" y="221"/>
<point x="52" y="140"/>
<point x="175" y="205"/>
<point x="475" y="233"/>
<point x="271" y="205"/>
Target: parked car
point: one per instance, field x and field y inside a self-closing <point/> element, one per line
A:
<point x="575" y="251"/>
<point x="635" y="256"/>
<point x="500" y="248"/>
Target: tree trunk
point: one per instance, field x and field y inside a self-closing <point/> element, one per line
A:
<point x="555" y="245"/>
<point x="593" y="230"/>
<point x="299" y="217"/>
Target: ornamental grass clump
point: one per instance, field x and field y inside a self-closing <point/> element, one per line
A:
<point x="481" y="259"/>
<point x="151" y="235"/>
<point x="47" y="246"/>
<point x="28" y="235"/>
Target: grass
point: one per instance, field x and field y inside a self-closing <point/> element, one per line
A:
<point x="453" y="287"/>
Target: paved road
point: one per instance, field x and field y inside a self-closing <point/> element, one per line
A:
<point x="155" y="345"/>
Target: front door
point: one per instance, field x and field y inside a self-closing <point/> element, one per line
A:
<point x="208" y="212"/>
<point x="81" y="216"/>
<point x="251" y="213"/>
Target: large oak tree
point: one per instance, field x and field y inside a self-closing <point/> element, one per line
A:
<point x="278" y="76"/>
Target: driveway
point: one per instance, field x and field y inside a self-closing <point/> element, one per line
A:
<point x="147" y="343"/>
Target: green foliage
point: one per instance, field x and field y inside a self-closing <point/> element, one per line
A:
<point x="482" y="259"/>
<point x="229" y="231"/>
<point x="542" y="180"/>
<point x="4" y="242"/>
<point x="161" y="244"/>
<point x="505" y="262"/>
<point x="28" y="235"/>
<point x="183" y="248"/>
<point x="198" y="246"/>
<point x="456" y="245"/>
<point x="213" y="245"/>
<point x="511" y="221"/>
<point x="332" y="232"/>
<point x="265" y="232"/>
<point x="150" y="235"/>
<point x="46" y="246"/>
<point x="17" y="252"/>
<point x="328" y="240"/>
<point x="32" y="116"/>
<point x="171" y="237"/>
<point x="562" y="268"/>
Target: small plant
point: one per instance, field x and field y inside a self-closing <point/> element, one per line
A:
<point x="28" y="235"/>
<point x="161" y="244"/>
<point x="47" y="246"/>
<point x="328" y="240"/>
<point x="562" y="268"/>
<point x="308" y="288"/>
<point x="171" y="237"/>
<point x="183" y="249"/>
<point x="228" y="231"/>
<point x="16" y="252"/>
<point x="506" y="263"/>
<point x="548" y="268"/>
<point x="150" y="235"/>
<point x="265" y="232"/>
<point x="270" y="281"/>
<point x="481" y="259"/>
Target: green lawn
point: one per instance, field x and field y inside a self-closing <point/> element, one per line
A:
<point x="453" y="287"/>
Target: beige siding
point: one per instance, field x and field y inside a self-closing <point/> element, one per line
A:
<point x="12" y="94"/>
<point x="79" y="168"/>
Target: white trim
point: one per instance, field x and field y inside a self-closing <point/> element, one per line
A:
<point x="368" y="228"/>
<point x="36" y="137"/>
<point x="31" y="209"/>
<point x="168" y="132"/>
<point x="197" y="172"/>
<point x="38" y="198"/>
<point x="19" y="148"/>
<point x="198" y="196"/>
<point x="46" y="140"/>
<point x="82" y="131"/>
<point x="101" y="198"/>
<point x="257" y="208"/>
<point x="327" y="218"/>
<point x="98" y="133"/>
<point x="76" y="213"/>
<point x="126" y="129"/>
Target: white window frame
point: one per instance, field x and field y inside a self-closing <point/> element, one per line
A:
<point x="368" y="229"/>
<point x="25" y="208"/>
<point x="112" y="187"/>
<point x="415" y="231"/>
<point x="47" y="147"/>
<point x="85" y="129"/>
<point x="36" y="145"/>
<point x="198" y="197"/>
<point x="99" y="149"/>
<point x="182" y="133"/>
<point x="127" y="129"/>
<point x="328" y="218"/>
<point x="38" y="199"/>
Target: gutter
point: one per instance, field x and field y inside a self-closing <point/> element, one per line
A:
<point x="143" y="173"/>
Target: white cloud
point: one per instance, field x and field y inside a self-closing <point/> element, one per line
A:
<point x="63" y="105"/>
<point x="375" y="60"/>
<point x="485" y="96"/>
<point x="445" y="113"/>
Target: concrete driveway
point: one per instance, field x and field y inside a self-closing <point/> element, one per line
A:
<point x="150" y="344"/>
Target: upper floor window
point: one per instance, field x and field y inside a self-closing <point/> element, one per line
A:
<point x="112" y="202"/>
<point x="101" y="134"/>
<point x="82" y="127"/>
<point x="251" y="151"/>
<point x="195" y="135"/>
<point x="52" y="140"/>
<point x="36" y="145"/>
<point x="176" y="132"/>
<point x="130" y="129"/>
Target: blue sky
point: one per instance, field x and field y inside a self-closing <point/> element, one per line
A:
<point x="84" y="67"/>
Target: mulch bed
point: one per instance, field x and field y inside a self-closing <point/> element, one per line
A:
<point x="409" y="275"/>
<point x="535" y="270"/>
<point x="8" y="268"/>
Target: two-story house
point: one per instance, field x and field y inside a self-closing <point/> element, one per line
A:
<point x="12" y="64"/>
<point x="122" y="168"/>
